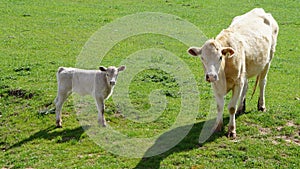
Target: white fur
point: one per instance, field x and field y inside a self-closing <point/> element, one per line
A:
<point x="96" y="83"/>
<point x="247" y="47"/>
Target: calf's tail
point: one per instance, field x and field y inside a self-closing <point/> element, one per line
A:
<point x="60" y="69"/>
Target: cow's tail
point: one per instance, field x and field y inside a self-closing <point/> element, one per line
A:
<point x="255" y="85"/>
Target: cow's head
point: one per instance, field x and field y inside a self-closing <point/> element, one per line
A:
<point x="212" y="55"/>
<point x="112" y="73"/>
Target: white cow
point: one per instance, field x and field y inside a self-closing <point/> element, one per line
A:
<point x="242" y="51"/>
<point x="98" y="83"/>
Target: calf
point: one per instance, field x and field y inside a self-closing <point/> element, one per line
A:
<point x="98" y="83"/>
<point x="242" y="51"/>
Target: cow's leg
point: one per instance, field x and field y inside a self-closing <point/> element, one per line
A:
<point x="220" y="107"/>
<point x="242" y="107"/>
<point x="232" y="107"/>
<point x="100" y="107"/>
<point x="59" y="101"/>
<point x="262" y="84"/>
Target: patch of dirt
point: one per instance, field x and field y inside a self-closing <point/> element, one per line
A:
<point x="293" y="138"/>
<point x="264" y="131"/>
<point x="20" y="93"/>
<point x="8" y="167"/>
<point x="23" y="68"/>
<point x="287" y="139"/>
<point x="118" y="114"/>
<point x="291" y="124"/>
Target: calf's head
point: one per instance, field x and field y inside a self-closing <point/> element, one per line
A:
<point x="212" y="56"/>
<point x="111" y="73"/>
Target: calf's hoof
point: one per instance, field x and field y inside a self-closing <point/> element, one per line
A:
<point x="58" y="124"/>
<point x="102" y="123"/>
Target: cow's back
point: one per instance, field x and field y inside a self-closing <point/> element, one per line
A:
<point x="257" y="31"/>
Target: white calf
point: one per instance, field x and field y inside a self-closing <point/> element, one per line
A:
<point x="98" y="83"/>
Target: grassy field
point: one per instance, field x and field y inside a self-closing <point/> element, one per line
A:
<point x="36" y="37"/>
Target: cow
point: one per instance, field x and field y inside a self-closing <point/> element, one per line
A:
<point x="97" y="83"/>
<point x="243" y="50"/>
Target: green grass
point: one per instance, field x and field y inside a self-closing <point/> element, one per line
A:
<point x="36" y="37"/>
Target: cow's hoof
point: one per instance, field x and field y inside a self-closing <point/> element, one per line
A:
<point x="240" y="112"/>
<point x="263" y="109"/>
<point x="231" y="132"/>
<point x="218" y="127"/>
<point x="231" y="135"/>
<point x="59" y="126"/>
<point x="242" y="109"/>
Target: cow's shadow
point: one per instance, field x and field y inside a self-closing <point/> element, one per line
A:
<point x="53" y="133"/>
<point x="189" y="142"/>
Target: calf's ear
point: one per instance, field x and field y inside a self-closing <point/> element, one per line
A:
<point x="102" y="68"/>
<point x="194" y="51"/>
<point x="228" y="52"/>
<point x="121" y="68"/>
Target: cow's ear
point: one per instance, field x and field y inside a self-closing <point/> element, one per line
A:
<point x="121" y="68"/>
<point x="102" y="68"/>
<point x="194" y="51"/>
<point x="228" y="52"/>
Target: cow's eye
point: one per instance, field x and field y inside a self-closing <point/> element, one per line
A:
<point x="220" y="58"/>
<point x="106" y="75"/>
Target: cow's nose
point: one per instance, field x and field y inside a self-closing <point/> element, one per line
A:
<point x="112" y="83"/>
<point x="211" y="77"/>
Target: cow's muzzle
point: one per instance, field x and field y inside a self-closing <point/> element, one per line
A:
<point x="211" y="77"/>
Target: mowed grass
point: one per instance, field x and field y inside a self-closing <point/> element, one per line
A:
<point x="36" y="37"/>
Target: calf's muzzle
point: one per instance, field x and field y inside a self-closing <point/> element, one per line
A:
<point x="112" y="83"/>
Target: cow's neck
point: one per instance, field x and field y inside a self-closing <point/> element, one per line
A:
<point x="221" y="85"/>
<point x="224" y="38"/>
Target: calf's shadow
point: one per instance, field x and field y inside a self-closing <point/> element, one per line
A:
<point x="50" y="133"/>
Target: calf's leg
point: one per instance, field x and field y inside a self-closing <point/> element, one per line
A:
<point x="100" y="107"/>
<point x="59" y="101"/>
